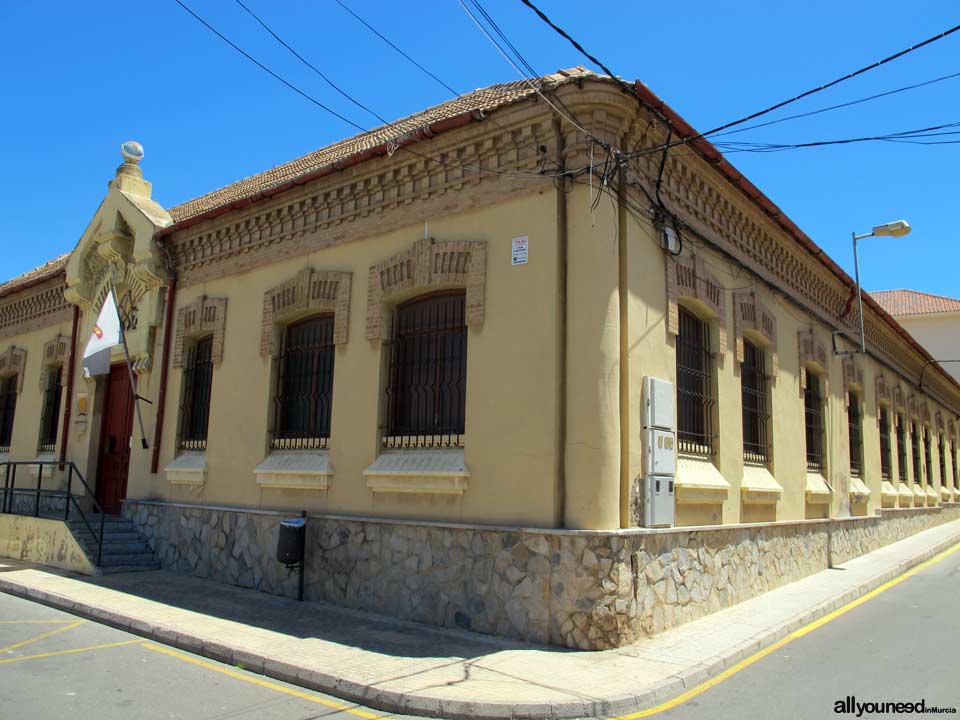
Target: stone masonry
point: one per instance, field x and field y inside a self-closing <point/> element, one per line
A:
<point x="586" y="590"/>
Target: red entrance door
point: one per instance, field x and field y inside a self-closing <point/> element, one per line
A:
<point x="115" y="440"/>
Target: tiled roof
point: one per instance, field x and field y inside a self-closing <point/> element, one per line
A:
<point x="479" y="101"/>
<point x="44" y="272"/>
<point x="914" y="302"/>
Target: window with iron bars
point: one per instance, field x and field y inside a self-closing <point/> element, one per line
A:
<point x="426" y="392"/>
<point x="942" y="457"/>
<point x="50" y="418"/>
<point x="885" y="459"/>
<point x="195" y="405"/>
<point x="915" y="445"/>
<point x="8" y="408"/>
<point x="902" y="450"/>
<point x="694" y="386"/>
<point x="855" y="434"/>
<point x="304" y="385"/>
<point x="756" y="415"/>
<point x="956" y="470"/>
<point x="813" y="414"/>
<point x="927" y="456"/>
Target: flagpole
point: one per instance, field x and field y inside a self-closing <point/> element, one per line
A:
<point x="133" y="385"/>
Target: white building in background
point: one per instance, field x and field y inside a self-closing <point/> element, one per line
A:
<point x="934" y="320"/>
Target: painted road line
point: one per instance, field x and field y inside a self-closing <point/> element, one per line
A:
<point x="43" y="636"/>
<point x="805" y="630"/>
<point x="264" y="683"/>
<point x="35" y="622"/>
<point x="69" y="652"/>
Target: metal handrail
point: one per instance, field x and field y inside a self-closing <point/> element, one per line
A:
<point x="9" y="488"/>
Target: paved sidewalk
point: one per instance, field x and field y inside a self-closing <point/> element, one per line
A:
<point x="410" y="668"/>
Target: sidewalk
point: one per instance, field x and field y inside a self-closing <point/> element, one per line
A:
<point x="410" y="668"/>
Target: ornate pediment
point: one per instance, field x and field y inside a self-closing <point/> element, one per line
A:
<point x="118" y="251"/>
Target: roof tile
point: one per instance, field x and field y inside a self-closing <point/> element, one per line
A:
<point x="913" y="302"/>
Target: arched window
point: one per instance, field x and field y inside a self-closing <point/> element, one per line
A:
<point x="304" y="395"/>
<point x="813" y="413"/>
<point x="195" y="405"/>
<point x="756" y="409"/>
<point x="426" y="390"/>
<point x="8" y="407"/>
<point x="50" y="419"/>
<point x="694" y="385"/>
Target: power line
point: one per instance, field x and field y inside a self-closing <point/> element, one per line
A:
<point x="396" y="143"/>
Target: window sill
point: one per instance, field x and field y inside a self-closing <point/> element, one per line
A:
<point x="817" y="491"/>
<point x="295" y="470"/>
<point x="932" y="498"/>
<point x="422" y="471"/>
<point x="919" y="496"/>
<point x="859" y="489"/>
<point x="699" y="482"/>
<point x="905" y="494"/>
<point x="946" y="494"/>
<point x="188" y="468"/>
<point x="758" y="486"/>
<point x="46" y="469"/>
<point x="888" y="494"/>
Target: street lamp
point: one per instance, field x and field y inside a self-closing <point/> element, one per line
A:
<point x="897" y="228"/>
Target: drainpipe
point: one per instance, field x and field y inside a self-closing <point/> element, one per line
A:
<point x="562" y="255"/>
<point x="624" y="375"/>
<point x="71" y="368"/>
<point x="165" y="362"/>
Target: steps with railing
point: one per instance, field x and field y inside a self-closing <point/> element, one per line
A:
<point x="111" y="542"/>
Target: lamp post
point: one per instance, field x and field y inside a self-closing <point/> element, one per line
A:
<point x="897" y="228"/>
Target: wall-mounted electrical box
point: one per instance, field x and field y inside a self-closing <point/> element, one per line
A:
<point x="658" y="403"/>
<point x="660" y="451"/>
<point x="658" y="508"/>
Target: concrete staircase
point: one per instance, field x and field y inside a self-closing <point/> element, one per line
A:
<point x="123" y="548"/>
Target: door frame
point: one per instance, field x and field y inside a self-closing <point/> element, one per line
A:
<point x="99" y="487"/>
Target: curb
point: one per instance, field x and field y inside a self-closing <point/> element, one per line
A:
<point x="406" y="704"/>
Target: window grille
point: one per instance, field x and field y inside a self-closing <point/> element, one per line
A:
<point x="756" y="417"/>
<point x="942" y="457"/>
<point x="855" y="434"/>
<point x="813" y="411"/>
<point x="902" y="449"/>
<point x="427" y="381"/>
<point x="305" y="385"/>
<point x="915" y="444"/>
<point x="694" y="387"/>
<point x="885" y="457"/>
<point x="195" y="407"/>
<point x="956" y="470"/>
<point x="927" y="456"/>
<point x="50" y="418"/>
<point x="8" y="408"/>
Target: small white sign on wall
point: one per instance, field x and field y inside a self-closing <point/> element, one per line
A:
<point x="520" y="251"/>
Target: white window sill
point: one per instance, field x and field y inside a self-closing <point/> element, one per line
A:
<point x="931" y="495"/>
<point x="295" y="470"/>
<point x="759" y="487"/>
<point x="189" y="468"/>
<point x="699" y="482"/>
<point x="427" y="471"/>
<point x="905" y="493"/>
<point x="817" y="491"/>
<point x="946" y="494"/>
<point x="919" y="496"/>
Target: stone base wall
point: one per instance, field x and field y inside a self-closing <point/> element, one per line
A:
<point x="586" y="590"/>
<point x="24" y="502"/>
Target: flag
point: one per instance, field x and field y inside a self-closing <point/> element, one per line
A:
<point x="105" y="336"/>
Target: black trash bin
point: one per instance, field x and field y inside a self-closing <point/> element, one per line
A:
<point x="291" y="540"/>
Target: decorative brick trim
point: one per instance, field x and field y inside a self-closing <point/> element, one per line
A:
<point x="951" y="429"/>
<point x="883" y="391"/>
<point x="852" y="378"/>
<point x="13" y="361"/>
<point x="425" y="265"/>
<point x="924" y="411"/>
<point x="55" y="352"/>
<point x="691" y="280"/>
<point x="33" y="309"/>
<point x="749" y="314"/>
<point x="899" y="402"/>
<point x="203" y="316"/>
<point x="938" y="420"/>
<point x="812" y="352"/>
<point x="912" y="405"/>
<point x="309" y="289"/>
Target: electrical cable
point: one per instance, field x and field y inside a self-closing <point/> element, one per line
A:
<point x="397" y="143"/>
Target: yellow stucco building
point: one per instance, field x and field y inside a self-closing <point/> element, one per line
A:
<point x="442" y="339"/>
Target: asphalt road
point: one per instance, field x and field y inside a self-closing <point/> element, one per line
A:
<point x="132" y="677"/>
<point x="901" y="646"/>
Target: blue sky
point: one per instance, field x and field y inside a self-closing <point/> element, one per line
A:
<point x="80" y="78"/>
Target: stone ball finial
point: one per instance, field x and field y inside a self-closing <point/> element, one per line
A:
<point x="132" y="152"/>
